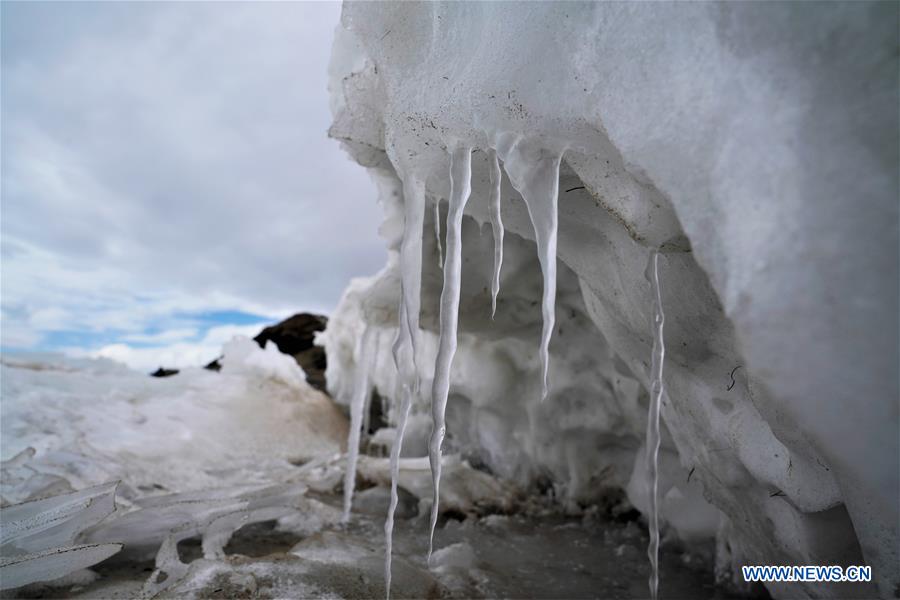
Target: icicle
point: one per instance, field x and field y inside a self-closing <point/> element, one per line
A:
<point x="497" y="227"/>
<point x="401" y="342"/>
<point x="460" y="187"/>
<point x="406" y="340"/>
<point x="411" y="263"/>
<point x="367" y="410"/>
<point x="534" y="172"/>
<point x="357" y="402"/>
<point x="657" y="391"/>
<point x="437" y="232"/>
<point x="395" y="475"/>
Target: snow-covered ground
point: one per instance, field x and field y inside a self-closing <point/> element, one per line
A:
<point x="228" y="484"/>
<point x="201" y="453"/>
<point x="90" y="421"/>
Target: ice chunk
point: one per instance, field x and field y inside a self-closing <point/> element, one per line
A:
<point x="20" y="570"/>
<point x="37" y="538"/>
<point x="54" y="522"/>
<point x="455" y="556"/>
<point x="463" y="489"/>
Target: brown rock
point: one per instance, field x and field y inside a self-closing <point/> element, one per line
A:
<point x="294" y="336"/>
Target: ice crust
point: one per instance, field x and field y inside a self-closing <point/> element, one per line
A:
<point x="719" y="134"/>
<point x="38" y="539"/>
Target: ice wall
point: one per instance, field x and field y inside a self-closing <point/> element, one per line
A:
<point x="755" y="145"/>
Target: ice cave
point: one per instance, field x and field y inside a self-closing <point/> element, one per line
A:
<point x="638" y="329"/>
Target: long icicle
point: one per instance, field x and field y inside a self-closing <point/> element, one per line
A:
<point x="497" y="227"/>
<point x="407" y="336"/>
<point x="657" y="391"/>
<point x="403" y="363"/>
<point x="460" y="187"/>
<point x="534" y="172"/>
<point x="357" y="402"/>
<point x="395" y="473"/>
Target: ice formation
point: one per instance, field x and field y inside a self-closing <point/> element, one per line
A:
<point x="534" y="172"/>
<point x="38" y="540"/>
<point x="460" y="188"/>
<point x="157" y="524"/>
<point x="717" y="133"/>
<point x="396" y="449"/>
<point x="411" y="267"/>
<point x="657" y="392"/>
<point x="361" y="392"/>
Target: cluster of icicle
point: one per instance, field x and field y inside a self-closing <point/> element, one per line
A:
<point x="534" y="172"/>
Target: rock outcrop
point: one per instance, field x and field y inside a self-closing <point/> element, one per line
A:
<point x="294" y="336"/>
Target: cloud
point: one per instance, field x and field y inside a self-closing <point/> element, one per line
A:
<point x="163" y="160"/>
<point x="178" y="354"/>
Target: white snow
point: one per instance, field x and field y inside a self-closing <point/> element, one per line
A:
<point x="243" y="356"/>
<point x="197" y="454"/>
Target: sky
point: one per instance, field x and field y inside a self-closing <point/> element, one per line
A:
<point x="166" y="179"/>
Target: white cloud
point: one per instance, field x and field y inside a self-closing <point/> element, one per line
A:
<point x="171" y="158"/>
<point x="179" y="354"/>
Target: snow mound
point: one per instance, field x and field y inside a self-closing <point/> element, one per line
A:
<point x="244" y="356"/>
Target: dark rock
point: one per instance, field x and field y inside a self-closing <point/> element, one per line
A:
<point x="294" y="336"/>
<point x="215" y="365"/>
<point x="160" y="372"/>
